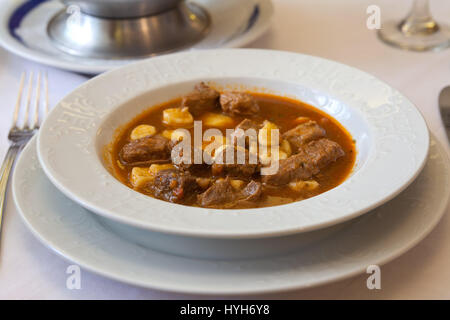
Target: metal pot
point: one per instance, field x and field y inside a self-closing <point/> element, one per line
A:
<point x="122" y="8"/>
<point x="123" y="29"/>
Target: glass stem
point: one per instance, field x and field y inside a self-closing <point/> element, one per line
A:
<point x="419" y="21"/>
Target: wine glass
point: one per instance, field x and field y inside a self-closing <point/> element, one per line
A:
<point x="417" y="32"/>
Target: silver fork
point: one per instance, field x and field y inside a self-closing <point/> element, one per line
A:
<point x="19" y="135"/>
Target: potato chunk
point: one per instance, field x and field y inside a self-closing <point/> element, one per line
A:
<point x="120" y="165"/>
<point x="300" y="185"/>
<point x="266" y="158"/>
<point x="237" y="184"/>
<point x="282" y="155"/>
<point x="178" y="117"/>
<point x="173" y="135"/>
<point x="265" y="133"/>
<point x="285" y="146"/>
<point x="300" y="120"/>
<point x="217" y="120"/>
<point x="141" y="131"/>
<point x="155" y="168"/>
<point x="140" y="177"/>
<point x="203" y="182"/>
<point x="167" y="134"/>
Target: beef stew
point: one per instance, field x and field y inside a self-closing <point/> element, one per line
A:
<point x="313" y="153"/>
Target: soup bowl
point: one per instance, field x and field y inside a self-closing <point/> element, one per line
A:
<point x="390" y="134"/>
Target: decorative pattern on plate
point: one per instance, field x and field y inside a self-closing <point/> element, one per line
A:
<point x="392" y="139"/>
<point x="375" y="238"/>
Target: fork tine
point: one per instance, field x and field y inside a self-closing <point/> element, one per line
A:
<point x="18" y="102"/>
<point x="36" y="107"/>
<point x="27" y="105"/>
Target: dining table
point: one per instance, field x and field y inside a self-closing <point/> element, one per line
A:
<point x="335" y="30"/>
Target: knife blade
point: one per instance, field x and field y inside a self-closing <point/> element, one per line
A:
<point x="444" y="106"/>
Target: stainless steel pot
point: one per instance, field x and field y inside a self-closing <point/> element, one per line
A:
<point x="117" y="29"/>
<point x="123" y="8"/>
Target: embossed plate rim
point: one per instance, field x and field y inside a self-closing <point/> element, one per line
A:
<point x="75" y="234"/>
<point x="399" y="145"/>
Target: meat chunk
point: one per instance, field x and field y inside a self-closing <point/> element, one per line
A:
<point x="247" y="197"/>
<point x="238" y="104"/>
<point x="311" y="158"/>
<point x="320" y="153"/>
<point x="248" y="124"/>
<point x="196" y="169"/>
<point x="240" y="129"/>
<point x="174" y="185"/>
<point x="202" y="99"/>
<point x="293" y="168"/>
<point x="235" y="169"/>
<point x="145" y="151"/>
<point x="252" y="191"/>
<point x="304" y="133"/>
<point x="222" y="193"/>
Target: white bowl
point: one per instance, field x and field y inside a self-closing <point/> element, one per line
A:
<point x="391" y="138"/>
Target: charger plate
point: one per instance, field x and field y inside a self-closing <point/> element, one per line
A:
<point x="375" y="238"/>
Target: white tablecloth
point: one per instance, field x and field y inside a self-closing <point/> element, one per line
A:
<point x="332" y="29"/>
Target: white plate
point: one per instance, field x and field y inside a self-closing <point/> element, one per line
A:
<point x="375" y="238"/>
<point x="235" y="23"/>
<point x="391" y="137"/>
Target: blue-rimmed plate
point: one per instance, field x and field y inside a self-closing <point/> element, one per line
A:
<point x="23" y="31"/>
